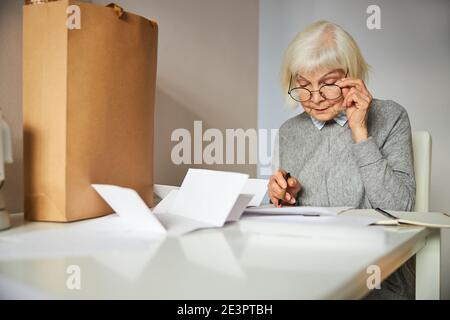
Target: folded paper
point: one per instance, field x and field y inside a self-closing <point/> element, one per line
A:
<point x="206" y="199"/>
<point x="130" y="207"/>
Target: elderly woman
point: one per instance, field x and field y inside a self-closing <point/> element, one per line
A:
<point x="347" y="148"/>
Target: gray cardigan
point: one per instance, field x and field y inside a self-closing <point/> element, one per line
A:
<point x="335" y="171"/>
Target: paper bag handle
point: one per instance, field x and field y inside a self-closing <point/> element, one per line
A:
<point x="117" y="9"/>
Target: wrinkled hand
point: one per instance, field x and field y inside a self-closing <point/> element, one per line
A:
<point x="279" y="188"/>
<point x="357" y="100"/>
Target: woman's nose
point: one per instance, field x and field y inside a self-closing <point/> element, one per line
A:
<point x="316" y="97"/>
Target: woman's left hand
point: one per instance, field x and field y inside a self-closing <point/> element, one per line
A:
<point x="357" y="101"/>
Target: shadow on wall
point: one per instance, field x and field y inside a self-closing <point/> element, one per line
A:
<point x="11" y="96"/>
<point x="171" y="114"/>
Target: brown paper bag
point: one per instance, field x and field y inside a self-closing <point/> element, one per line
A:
<point x="88" y="100"/>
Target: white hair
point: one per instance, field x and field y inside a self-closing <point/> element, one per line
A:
<point x="322" y="44"/>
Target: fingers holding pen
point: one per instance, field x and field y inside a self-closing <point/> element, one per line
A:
<point x="283" y="189"/>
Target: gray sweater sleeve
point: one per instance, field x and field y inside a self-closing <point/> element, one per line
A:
<point x="387" y="171"/>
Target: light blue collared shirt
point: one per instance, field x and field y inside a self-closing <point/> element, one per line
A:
<point x="341" y="119"/>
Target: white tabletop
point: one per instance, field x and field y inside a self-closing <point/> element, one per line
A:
<point x="244" y="260"/>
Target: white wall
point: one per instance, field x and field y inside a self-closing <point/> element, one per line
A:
<point x="207" y="70"/>
<point x="410" y="57"/>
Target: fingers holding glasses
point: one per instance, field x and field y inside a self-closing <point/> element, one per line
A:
<point x="353" y="82"/>
<point x="349" y="83"/>
<point x="355" y="98"/>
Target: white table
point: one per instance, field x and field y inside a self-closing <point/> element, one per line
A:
<point x="239" y="261"/>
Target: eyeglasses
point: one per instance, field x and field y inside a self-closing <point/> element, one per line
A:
<point x="327" y="91"/>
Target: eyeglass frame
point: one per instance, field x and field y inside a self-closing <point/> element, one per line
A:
<point x="311" y="92"/>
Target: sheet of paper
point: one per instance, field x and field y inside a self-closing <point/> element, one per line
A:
<point x="241" y="203"/>
<point x="177" y="225"/>
<point x="130" y="207"/>
<point x="165" y="204"/>
<point x="162" y="190"/>
<point x="429" y="219"/>
<point x="306" y="219"/>
<point x="256" y="187"/>
<point x="270" y="209"/>
<point x="208" y="196"/>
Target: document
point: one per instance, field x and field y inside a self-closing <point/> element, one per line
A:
<point x="208" y="196"/>
<point x="270" y="209"/>
<point x="178" y="225"/>
<point x="130" y="207"/>
<point x="205" y="199"/>
<point x="162" y="190"/>
<point x="251" y="195"/>
<point x="241" y="203"/>
<point x="316" y="220"/>
<point x="257" y="187"/>
<point x="164" y="205"/>
<point x="396" y="218"/>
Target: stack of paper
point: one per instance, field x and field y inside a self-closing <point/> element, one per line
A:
<point x="396" y="218"/>
<point x="295" y="210"/>
<point x="205" y="199"/>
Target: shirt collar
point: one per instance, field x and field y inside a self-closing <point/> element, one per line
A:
<point x="341" y="119"/>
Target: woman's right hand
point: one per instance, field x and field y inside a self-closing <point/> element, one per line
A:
<point x="279" y="188"/>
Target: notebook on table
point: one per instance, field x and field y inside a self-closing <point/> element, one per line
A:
<point x="396" y="218"/>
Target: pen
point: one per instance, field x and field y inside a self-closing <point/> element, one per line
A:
<point x="288" y="175"/>
<point x="385" y="213"/>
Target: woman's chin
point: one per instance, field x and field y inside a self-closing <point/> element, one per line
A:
<point x="323" y="115"/>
